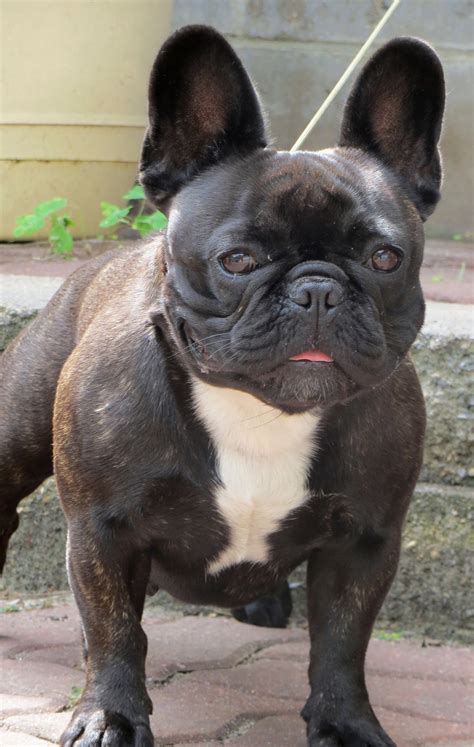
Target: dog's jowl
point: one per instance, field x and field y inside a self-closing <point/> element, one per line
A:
<point x="236" y="396"/>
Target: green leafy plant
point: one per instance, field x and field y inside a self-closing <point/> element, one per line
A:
<point x="59" y="235"/>
<point x="387" y="635"/>
<point x="113" y="215"/>
<point x="74" y="696"/>
<point x="12" y="607"/>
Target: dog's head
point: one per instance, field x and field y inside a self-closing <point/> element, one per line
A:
<point x="293" y="276"/>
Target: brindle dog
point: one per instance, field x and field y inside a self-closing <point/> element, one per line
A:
<point x="235" y="397"/>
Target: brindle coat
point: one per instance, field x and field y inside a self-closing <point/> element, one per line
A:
<point x="118" y="350"/>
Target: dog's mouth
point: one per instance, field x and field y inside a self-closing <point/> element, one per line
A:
<point x="312" y="356"/>
<point x="293" y="381"/>
<point x="206" y="359"/>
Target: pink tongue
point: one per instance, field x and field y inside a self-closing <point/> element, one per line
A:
<point x="312" y="355"/>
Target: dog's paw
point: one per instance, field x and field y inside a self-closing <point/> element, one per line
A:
<point x="344" y="727"/>
<point x="269" y="612"/>
<point x="104" y="728"/>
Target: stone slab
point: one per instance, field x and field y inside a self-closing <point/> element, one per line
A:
<point x="395" y="659"/>
<point x="183" y="711"/>
<point x="196" y="643"/>
<point x="19" y="292"/>
<point x="20" y="739"/>
<point x="421" y="695"/>
<point x="48" y="726"/>
<point x="263" y="677"/>
<point x="42" y="525"/>
<point x="12" y="703"/>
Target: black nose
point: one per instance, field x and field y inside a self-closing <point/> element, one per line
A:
<point x="316" y="293"/>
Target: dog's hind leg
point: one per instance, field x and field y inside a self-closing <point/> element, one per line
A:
<point x="29" y="370"/>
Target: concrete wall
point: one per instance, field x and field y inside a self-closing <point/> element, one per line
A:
<point x="296" y="50"/>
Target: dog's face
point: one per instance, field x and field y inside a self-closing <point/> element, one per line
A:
<point x="292" y="276"/>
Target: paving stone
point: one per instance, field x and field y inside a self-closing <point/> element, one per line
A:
<point x="206" y="643"/>
<point x="274" y="731"/>
<point x="39" y="679"/>
<point x="11" y="704"/>
<point x="55" y="626"/>
<point x="184" y="711"/>
<point x="47" y="726"/>
<point x="399" y="658"/>
<point x="68" y="655"/>
<point x="414" y="660"/>
<point x="425" y="698"/>
<point x="413" y="731"/>
<point x="269" y="678"/>
<point x="405" y="730"/>
<point x="20" y="739"/>
<point x="294" y="650"/>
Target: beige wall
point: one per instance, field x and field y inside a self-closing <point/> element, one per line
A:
<point x="73" y="101"/>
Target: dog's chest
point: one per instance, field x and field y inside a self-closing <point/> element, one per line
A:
<point x="263" y="458"/>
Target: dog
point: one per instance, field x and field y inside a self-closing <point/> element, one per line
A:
<point x="236" y="396"/>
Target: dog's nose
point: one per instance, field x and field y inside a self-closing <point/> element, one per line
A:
<point x="316" y="293"/>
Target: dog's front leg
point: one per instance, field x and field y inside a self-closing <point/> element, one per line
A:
<point x="345" y="591"/>
<point x="108" y="579"/>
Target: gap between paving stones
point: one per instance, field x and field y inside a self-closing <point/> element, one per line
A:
<point x="246" y="658"/>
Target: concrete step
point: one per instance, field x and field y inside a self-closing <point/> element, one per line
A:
<point x="430" y="594"/>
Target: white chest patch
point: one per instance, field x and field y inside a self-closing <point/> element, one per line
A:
<point x="263" y="459"/>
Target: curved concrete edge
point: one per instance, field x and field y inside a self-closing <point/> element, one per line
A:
<point x="27" y="293"/>
<point x="453" y="320"/>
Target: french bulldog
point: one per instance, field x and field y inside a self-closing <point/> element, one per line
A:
<point x="236" y="396"/>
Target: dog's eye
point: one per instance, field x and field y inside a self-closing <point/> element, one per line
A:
<point x="386" y="259"/>
<point x="238" y="263"/>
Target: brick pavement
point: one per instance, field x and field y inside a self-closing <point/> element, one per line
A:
<point x="214" y="681"/>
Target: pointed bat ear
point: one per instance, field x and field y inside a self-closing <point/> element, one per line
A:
<point x="202" y="108"/>
<point x="395" y="112"/>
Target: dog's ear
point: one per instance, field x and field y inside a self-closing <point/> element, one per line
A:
<point x="202" y="108"/>
<point x="395" y="112"/>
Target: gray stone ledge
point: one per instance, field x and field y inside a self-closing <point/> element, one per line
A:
<point x="337" y="47"/>
<point x="446" y="23"/>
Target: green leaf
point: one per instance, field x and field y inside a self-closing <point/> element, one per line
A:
<point x="51" y="206"/>
<point x="461" y="272"/>
<point x="437" y="278"/>
<point x="75" y="696"/>
<point x="135" y="193"/>
<point x="12" y="607"/>
<point x="457" y="237"/>
<point x="387" y="635"/>
<point x="59" y="236"/>
<point x="28" y="224"/>
<point x="112" y="214"/>
<point x="145" y="224"/>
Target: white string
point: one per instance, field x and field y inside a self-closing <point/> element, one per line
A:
<point x="345" y="76"/>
